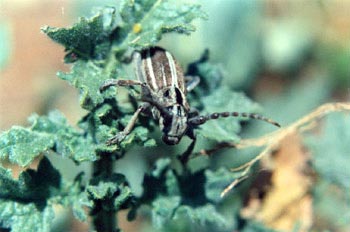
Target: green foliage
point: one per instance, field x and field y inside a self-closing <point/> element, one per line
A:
<point x="23" y="145"/>
<point x="210" y="97"/>
<point x="183" y="200"/>
<point x="332" y="151"/>
<point x="180" y="199"/>
<point x="221" y="130"/>
<point x="27" y="203"/>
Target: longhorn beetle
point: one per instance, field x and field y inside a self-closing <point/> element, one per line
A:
<point x="163" y="90"/>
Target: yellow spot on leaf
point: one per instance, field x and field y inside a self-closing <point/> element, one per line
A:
<point x="137" y="28"/>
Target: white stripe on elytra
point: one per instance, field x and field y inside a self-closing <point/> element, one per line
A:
<point x="151" y="72"/>
<point x="172" y="69"/>
<point x="163" y="75"/>
<point x="140" y="72"/>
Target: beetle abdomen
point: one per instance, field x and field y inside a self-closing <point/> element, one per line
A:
<point x="160" y="70"/>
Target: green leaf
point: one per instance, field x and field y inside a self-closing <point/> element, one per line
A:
<point x="90" y="41"/>
<point x="331" y="208"/>
<point x="22" y="145"/>
<point x="210" y="75"/>
<point x="31" y="185"/>
<point x="87" y="78"/>
<point x="163" y="210"/>
<point x="331" y="150"/>
<point x="205" y="216"/>
<point x="168" y="212"/>
<point x="112" y="189"/>
<point x="25" y="217"/>
<point x="73" y="195"/>
<point x="69" y="142"/>
<point x="87" y="39"/>
<point x="25" y="204"/>
<point x="217" y="181"/>
<point x="146" y="20"/>
<point x="221" y="100"/>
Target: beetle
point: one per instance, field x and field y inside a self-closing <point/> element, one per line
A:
<point x="163" y="90"/>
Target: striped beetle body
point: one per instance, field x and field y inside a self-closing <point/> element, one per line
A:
<point x="163" y="90"/>
<point x="158" y="69"/>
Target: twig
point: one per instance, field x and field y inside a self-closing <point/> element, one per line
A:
<point x="272" y="140"/>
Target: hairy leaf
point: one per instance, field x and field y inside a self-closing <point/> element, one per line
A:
<point x="179" y="201"/>
<point x="87" y="77"/>
<point x="207" y="217"/>
<point x="25" y="203"/>
<point x="146" y="20"/>
<point x="163" y="210"/>
<point x="113" y="193"/>
<point x="25" y="216"/>
<point x="22" y="145"/>
<point x="100" y="43"/>
<point x="31" y="185"/>
<point x="74" y="196"/>
<point x="87" y="39"/>
<point x="69" y="142"/>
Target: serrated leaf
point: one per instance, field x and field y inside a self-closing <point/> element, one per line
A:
<point x="109" y="189"/>
<point x="74" y="195"/>
<point x="31" y="185"/>
<point x="22" y="145"/>
<point x="221" y="100"/>
<point x="25" y="203"/>
<point x="69" y="142"/>
<point x="25" y="217"/>
<point x="87" y="77"/>
<point x="217" y="181"/>
<point x="206" y="216"/>
<point x="331" y="150"/>
<point x="146" y="20"/>
<point x="87" y="39"/>
<point x="163" y="210"/>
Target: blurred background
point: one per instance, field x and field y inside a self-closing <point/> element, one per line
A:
<point x="289" y="56"/>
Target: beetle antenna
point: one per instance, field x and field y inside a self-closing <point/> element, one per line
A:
<point x="199" y="120"/>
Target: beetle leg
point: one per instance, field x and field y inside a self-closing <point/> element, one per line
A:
<point x="187" y="154"/>
<point x="191" y="82"/>
<point x="121" y="135"/>
<point x="114" y="82"/>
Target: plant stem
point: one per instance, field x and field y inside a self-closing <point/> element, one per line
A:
<point x="104" y="219"/>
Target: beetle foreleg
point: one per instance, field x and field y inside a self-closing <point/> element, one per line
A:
<point x="121" y="135"/>
<point x="114" y="82"/>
